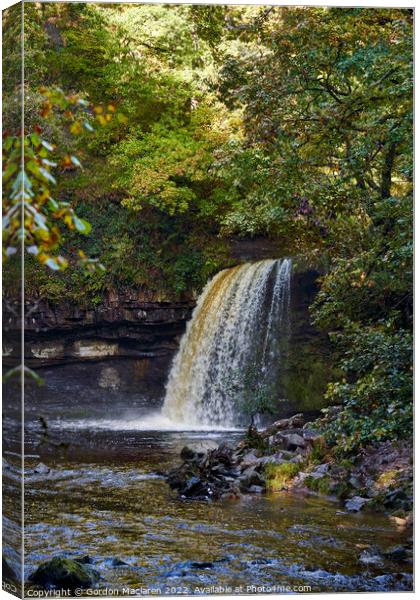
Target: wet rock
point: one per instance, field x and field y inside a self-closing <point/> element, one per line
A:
<point x="402" y="521"/>
<point x="42" y="469"/>
<point x="371" y="556"/>
<point x="63" y="572"/>
<point x="396" y="553"/>
<point x="206" y="476"/>
<point x="355" y="503"/>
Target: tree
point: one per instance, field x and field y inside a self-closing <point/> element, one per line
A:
<point x="326" y="165"/>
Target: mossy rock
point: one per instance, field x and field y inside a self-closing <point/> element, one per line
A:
<point x="63" y="572"/>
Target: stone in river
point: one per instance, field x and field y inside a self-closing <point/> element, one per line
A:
<point x="42" y="469"/>
<point x="61" y="572"/>
<point x="356" y="503"/>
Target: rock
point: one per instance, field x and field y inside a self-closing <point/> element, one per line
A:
<point x="206" y="476"/>
<point x="249" y="460"/>
<point x="188" y="453"/>
<point x="396" y="553"/>
<point x="355" y="482"/>
<point x="276" y="459"/>
<point x="297" y="459"/>
<point x="355" y="503"/>
<point x="321" y="470"/>
<point x="401" y="521"/>
<point x="256" y="489"/>
<point x="292" y="441"/>
<point x="295" y="421"/>
<point x="42" y="469"/>
<point x="311" y="436"/>
<point x="371" y="556"/>
<point x="249" y="478"/>
<point x="62" y="573"/>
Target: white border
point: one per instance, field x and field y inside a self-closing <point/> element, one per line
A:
<point x="372" y="4"/>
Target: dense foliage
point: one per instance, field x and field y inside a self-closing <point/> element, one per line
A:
<point x="290" y="123"/>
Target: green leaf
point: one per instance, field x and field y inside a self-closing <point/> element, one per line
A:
<point x="81" y="225"/>
<point x="35" y="139"/>
<point x="47" y="145"/>
<point x="9" y="170"/>
<point x="52" y="264"/>
<point x="47" y="175"/>
<point x="75" y="161"/>
<point x="88" y="126"/>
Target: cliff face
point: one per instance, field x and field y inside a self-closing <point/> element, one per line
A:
<point x="124" y="347"/>
<point x="134" y="324"/>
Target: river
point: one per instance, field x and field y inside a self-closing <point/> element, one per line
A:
<point x="105" y="497"/>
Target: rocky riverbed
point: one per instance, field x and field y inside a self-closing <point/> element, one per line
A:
<point x="99" y="514"/>
<point x="292" y="455"/>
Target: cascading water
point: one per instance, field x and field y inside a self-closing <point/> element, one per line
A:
<point x="238" y="331"/>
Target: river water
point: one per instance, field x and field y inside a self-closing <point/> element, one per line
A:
<point x="105" y="497"/>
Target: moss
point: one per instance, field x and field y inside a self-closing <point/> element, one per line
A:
<point x="387" y="479"/>
<point x="277" y="476"/>
<point x="64" y="572"/>
<point x="322" y="485"/>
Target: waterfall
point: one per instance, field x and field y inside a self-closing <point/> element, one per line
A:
<point x="239" y="326"/>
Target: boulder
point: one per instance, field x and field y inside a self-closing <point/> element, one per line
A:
<point x="276" y="459"/>
<point x="250" y="459"/>
<point x="206" y="476"/>
<point x="63" y="573"/>
<point x="290" y="423"/>
<point x="292" y="441"/>
<point x="355" y="503"/>
<point x="249" y="478"/>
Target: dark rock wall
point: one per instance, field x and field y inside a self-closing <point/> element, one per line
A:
<point x="124" y="347"/>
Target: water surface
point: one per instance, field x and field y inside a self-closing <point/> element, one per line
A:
<point x="105" y="497"/>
